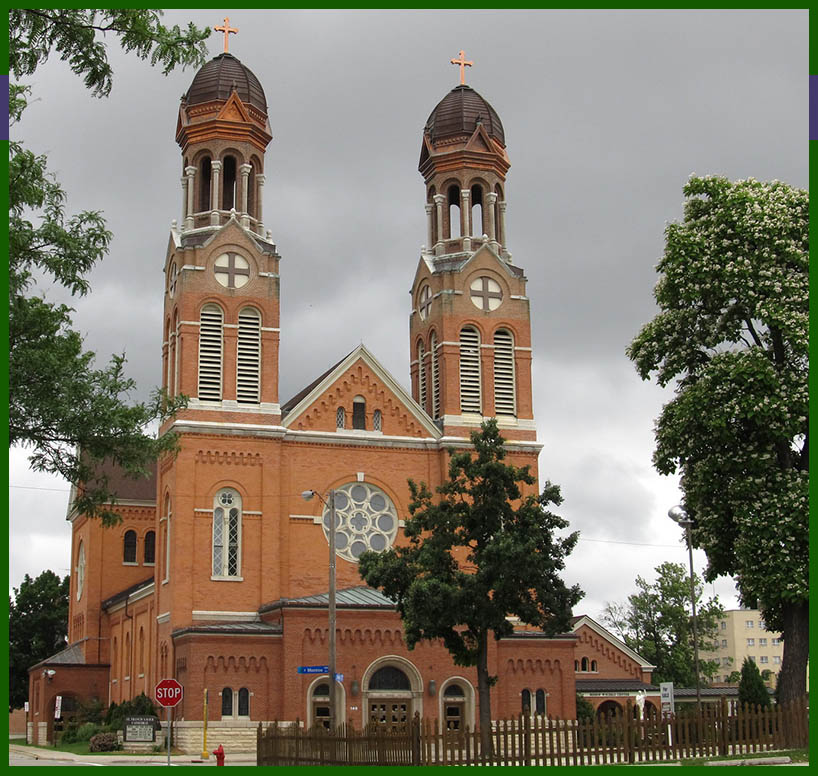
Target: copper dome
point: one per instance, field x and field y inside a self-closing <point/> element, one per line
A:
<point x="216" y="79"/>
<point x="458" y="114"/>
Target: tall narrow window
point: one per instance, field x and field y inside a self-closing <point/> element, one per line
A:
<point x="227" y="702"/>
<point x="168" y="359"/>
<point x="540" y="701"/>
<point x="150" y="547"/>
<point x="226" y="534"/>
<point x="244" y="702"/>
<point x="229" y="183"/>
<point x="174" y="387"/>
<point x="340" y="417"/>
<point x="504" y="384"/>
<point x="470" y="370"/>
<point x="435" y="377"/>
<point x="526" y="701"/>
<point x="141" y="650"/>
<point x="359" y="412"/>
<point x="454" y="211"/>
<point x="421" y="376"/>
<point x="129" y="547"/>
<point x="204" y="184"/>
<point x="166" y="555"/>
<point x="210" y="353"/>
<point x="248" y="361"/>
<point x="477" y="228"/>
<point x="377" y="421"/>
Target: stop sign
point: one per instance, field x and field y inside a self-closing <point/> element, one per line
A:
<point x="168" y="692"/>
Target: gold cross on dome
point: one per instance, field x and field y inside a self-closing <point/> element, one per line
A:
<point x="227" y="29"/>
<point x="463" y="65"/>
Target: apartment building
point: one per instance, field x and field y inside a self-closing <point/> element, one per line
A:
<point x="742" y="633"/>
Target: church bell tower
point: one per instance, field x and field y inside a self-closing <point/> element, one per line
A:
<point x="470" y="330"/>
<point x="221" y="320"/>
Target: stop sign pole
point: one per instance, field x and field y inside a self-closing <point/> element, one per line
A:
<point x="169" y="693"/>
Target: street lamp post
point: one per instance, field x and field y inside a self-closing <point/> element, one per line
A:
<point x="678" y="515"/>
<point x="307" y="495"/>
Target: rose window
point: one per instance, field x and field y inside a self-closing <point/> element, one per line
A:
<point x="365" y="519"/>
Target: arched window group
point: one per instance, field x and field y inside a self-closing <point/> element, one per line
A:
<point x="215" y="186"/>
<point x="483" y="214"/>
<point x="428" y="384"/>
<point x="235" y="703"/>
<point x="538" y="698"/>
<point x="585" y="665"/>
<point x="130" y="548"/>
<point x="211" y="355"/>
<point x="360" y="418"/>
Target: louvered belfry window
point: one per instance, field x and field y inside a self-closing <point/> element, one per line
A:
<point x="210" y="353"/>
<point x="435" y="378"/>
<point x="470" y="370"/>
<point x="505" y="398"/>
<point x="248" y="361"/>
<point x="421" y="377"/>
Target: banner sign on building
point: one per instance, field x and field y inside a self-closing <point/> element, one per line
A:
<point x="57" y="706"/>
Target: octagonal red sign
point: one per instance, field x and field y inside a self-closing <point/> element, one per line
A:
<point x="168" y="693"/>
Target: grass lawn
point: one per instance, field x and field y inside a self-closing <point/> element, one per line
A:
<point x="81" y="747"/>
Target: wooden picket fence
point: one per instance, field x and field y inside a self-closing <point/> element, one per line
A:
<point x="538" y="740"/>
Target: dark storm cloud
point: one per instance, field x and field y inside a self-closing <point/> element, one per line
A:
<point x="606" y="114"/>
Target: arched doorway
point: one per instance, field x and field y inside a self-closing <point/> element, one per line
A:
<point x="318" y="703"/>
<point x="608" y="709"/>
<point x="69" y="708"/>
<point x="393" y="693"/>
<point x="457" y="704"/>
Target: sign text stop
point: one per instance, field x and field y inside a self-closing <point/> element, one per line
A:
<point x="168" y="693"/>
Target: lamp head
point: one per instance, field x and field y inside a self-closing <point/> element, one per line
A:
<point x="307" y="495"/>
<point x="678" y="515"/>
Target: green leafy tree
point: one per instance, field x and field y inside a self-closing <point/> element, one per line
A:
<point x="751" y="688"/>
<point x="733" y="333"/>
<point x="585" y="709"/>
<point x="480" y="552"/>
<point x="69" y="414"/>
<point x="38" y="626"/>
<point x="657" y="623"/>
<point x="734" y="677"/>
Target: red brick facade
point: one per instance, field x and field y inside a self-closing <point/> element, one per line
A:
<point x="235" y="543"/>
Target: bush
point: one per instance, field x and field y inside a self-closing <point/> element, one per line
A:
<point x="139" y="706"/>
<point x="86" y="731"/>
<point x="103" y="742"/>
<point x="751" y="689"/>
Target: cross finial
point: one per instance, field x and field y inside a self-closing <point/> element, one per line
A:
<point x="463" y="65"/>
<point x="227" y="29"/>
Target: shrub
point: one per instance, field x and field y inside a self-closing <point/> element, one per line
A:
<point x="86" y="731"/>
<point x="751" y="689"/>
<point x="103" y="742"/>
<point x="139" y="706"/>
<point x="585" y="710"/>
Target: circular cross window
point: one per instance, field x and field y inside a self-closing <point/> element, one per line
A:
<point x="80" y="571"/>
<point x="365" y="519"/>
<point x="486" y="293"/>
<point x="232" y="270"/>
<point x="172" y="278"/>
<point x="424" y="302"/>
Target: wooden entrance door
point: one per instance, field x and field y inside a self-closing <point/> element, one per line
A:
<point x="391" y="713"/>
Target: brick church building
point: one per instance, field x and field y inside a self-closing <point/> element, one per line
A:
<point x="217" y="574"/>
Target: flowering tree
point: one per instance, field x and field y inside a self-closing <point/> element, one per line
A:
<point x="733" y="332"/>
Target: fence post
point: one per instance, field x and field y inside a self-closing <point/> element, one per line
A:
<point x="415" y="734"/>
<point x="626" y="730"/>
<point x="526" y="739"/>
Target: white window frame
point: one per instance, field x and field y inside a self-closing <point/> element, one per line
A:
<point x="222" y="574"/>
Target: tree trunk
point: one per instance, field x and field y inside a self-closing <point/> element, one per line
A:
<point x="792" y="681"/>
<point x="484" y="694"/>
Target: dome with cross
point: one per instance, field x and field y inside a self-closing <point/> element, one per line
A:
<point x="458" y="114"/>
<point x="217" y="79"/>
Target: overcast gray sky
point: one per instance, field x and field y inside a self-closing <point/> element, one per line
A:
<point x="606" y="115"/>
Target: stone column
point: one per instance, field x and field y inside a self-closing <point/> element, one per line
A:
<point x="439" y="200"/>
<point x="488" y="223"/>
<point x="430" y="236"/>
<point x="191" y="180"/>
<point x="465" y="218"/>
<point x="501" y="227"/>
<point x="215" y="191"/>
<point x="184" y="201"/>
<point x="259" y="200"/>
<point x="245" y="178"/>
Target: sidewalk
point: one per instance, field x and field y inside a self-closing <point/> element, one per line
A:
<point x="42" y="753"/>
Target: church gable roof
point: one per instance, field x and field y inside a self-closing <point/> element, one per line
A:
<point x="584" y="622"/>
<point x="359" y="373"/>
